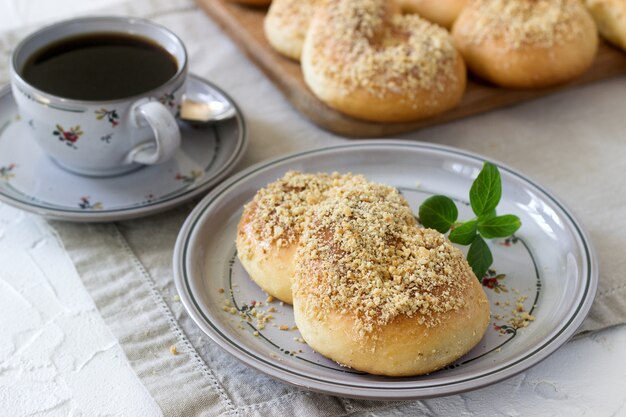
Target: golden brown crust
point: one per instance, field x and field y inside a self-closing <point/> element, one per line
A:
<point x="370" y="283"/>
<point x="271" y="225"/>
<point x="286" y="25"/>
<point x="441" y="12"/>
<point x="402" y="347"/>
<point x="362" y="252"/>
<point x="366" y="60"/>
<point x="365" y="280"/>
<point x="269" y="265"/>
<point x="610" y="17"/>
<point x="526" y="43"/>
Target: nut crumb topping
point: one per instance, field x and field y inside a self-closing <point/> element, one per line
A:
<point x="282" y="206"/>
<point x="368" y="45"/>
<point x="363" y="254"/>
<point x="540" y="23"/>
<point x="292" y="16"/>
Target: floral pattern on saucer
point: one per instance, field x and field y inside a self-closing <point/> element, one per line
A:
<point x="189" y="178"/>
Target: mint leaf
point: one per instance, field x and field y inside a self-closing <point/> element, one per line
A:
<point x="479" y="257"/>
<point x="438" y="212"/>
<point x="501" y="226"/>
<point x="487" y="216"/>
<point x="464" y="234"/>
<point x="486" y="190"/>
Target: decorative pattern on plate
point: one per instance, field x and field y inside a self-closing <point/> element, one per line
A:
<point x="70" y="137"/>
<point x="86" y="204"/>
<point x="6" y="172"/>
<point x="510" y="312"/>
<point x="492" y="280"/>
<point x="111" y="116"/>
<point x="107" y="138"/>
<point x="248" y="311"/>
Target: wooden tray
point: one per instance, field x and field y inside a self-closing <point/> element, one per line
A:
<point x="245" y="26"/>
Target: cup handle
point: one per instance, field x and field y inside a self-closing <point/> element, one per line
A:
<point x="166" y="133"/>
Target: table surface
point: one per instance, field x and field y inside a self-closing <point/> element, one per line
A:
<point x="57" y="357"/>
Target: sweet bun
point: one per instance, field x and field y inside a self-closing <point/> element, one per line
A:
<point x="366" y="60"/>
<point x="256" y="3"/>
<point x="269" y="263"/>
<point x="375" y="292"/>
<point x="271" y="225"/>
<point x="441" y="12"/>
<point x="286" y="24"/>
<point x="526" y="43"/>
<point x="610" y="16"/>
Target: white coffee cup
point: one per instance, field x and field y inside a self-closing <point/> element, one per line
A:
<point x="101" y="138"/>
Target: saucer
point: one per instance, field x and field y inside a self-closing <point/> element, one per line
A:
<point x="32" y="181"/>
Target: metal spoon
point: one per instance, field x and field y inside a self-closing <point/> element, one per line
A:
<point x="205" y="109"/>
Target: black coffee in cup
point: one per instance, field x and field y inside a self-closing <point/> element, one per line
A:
<point x="99" y="66"/>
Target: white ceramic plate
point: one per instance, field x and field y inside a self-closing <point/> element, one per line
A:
<point x="33" y="182"/>
<point x="549" y="267"/>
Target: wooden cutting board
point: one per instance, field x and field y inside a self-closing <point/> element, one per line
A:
<point x="245" y="26"/>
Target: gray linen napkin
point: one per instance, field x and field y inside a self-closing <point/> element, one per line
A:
<point x="575" y="149"/>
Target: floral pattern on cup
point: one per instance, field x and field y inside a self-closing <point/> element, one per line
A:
<point x="6" y="172"/>
<point x="191" y="177"/>
<point x="70" y="136"/>
<point x="111" y="116"/>
<point x="107" y="138"/>
<point x="86" y="204"/>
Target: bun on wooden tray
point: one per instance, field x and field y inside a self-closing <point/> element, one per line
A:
<point x="375" y="292"/>
<point x="610" y="17"/>
<point x="271" y="224"/>
<point x="441" y="12"/>
<point x="363" y="58"/>
<point x="526" y="43"/>
<point x="286" y="25"/>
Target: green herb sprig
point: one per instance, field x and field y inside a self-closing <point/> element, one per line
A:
<point x="440" y="213"/>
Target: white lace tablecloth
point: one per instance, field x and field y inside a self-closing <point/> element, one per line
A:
<point x="59" y="357"/>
